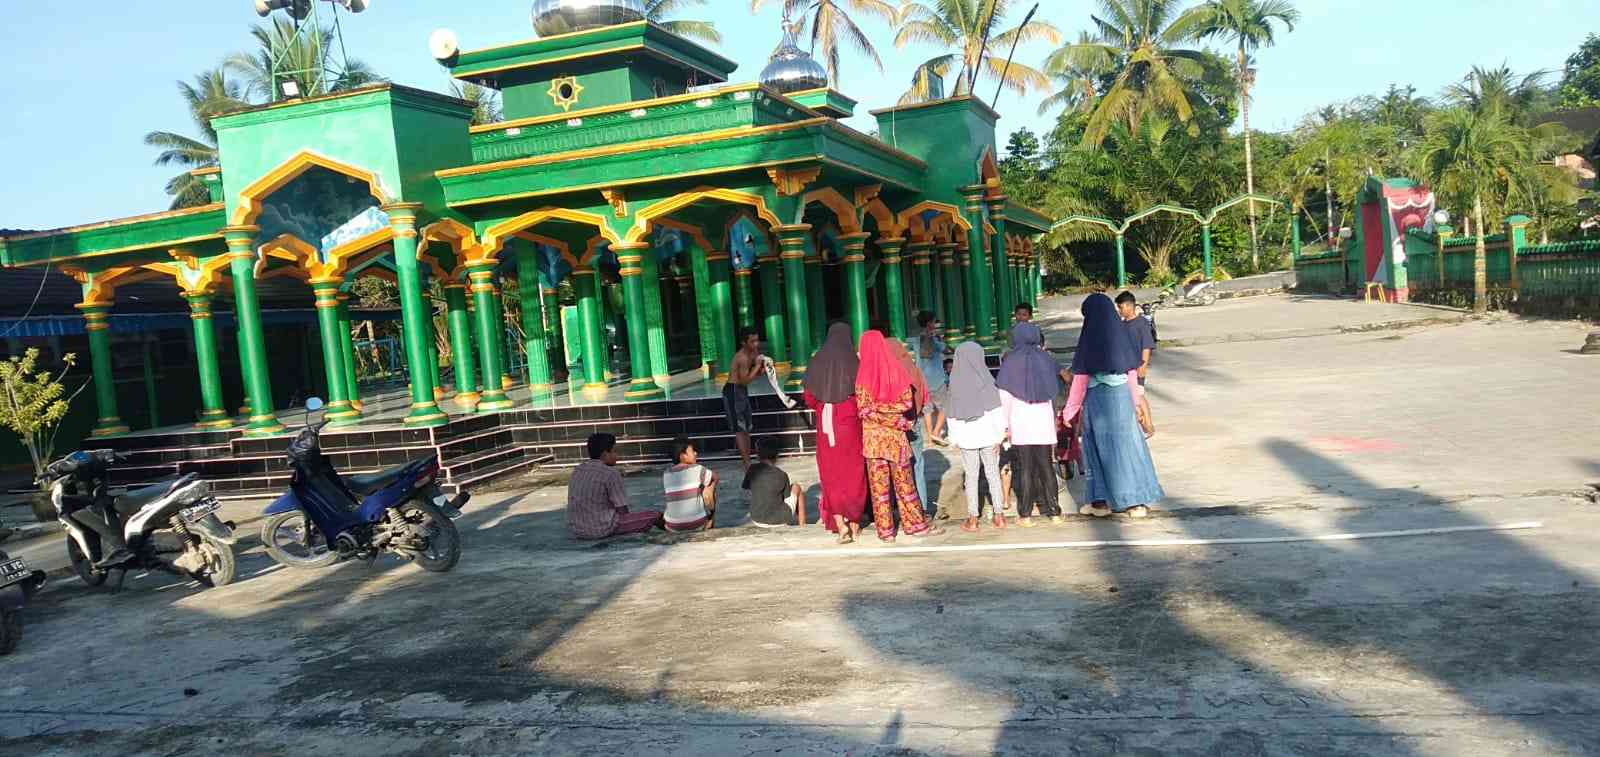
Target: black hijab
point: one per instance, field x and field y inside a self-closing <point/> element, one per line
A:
<point x="831" y="376"/>
<point x="1104" y="345"/>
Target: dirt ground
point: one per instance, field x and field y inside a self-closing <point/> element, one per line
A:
<point x="1470" y="639"/>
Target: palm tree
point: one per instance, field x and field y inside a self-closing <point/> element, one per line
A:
<point x="309" y="60"/>
<point x="968" y="27"/>
<point x="1078" y="70"/>
<point x="1519" y="99"/>
<point x="659" y="10"/>
<point x="1249" y="24"/>
<point x="485" y="102"/>
<point x="211" y="94"/>
<point x="1478" y="156"/>
<point x="830" y="23"/>
<point x="1153" y="75"/>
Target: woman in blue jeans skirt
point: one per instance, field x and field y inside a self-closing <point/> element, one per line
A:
<point x="1105" y="388"/>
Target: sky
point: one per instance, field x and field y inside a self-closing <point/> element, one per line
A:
<point x="80" y="90"/>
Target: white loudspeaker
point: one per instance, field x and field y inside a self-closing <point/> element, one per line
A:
<point x="444" y="46"/>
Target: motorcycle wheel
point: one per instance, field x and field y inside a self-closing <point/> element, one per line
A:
<point x="10" y="630"/>
<point x="444" y="542"/>
<point x="220" y="564"/>
<point x="284" y="536"/>
<point x="83" y="566"/>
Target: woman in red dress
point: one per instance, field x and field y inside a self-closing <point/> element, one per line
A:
<point x="830" y="387"/>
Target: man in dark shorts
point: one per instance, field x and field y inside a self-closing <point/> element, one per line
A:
<point x="736" y="393"/>
<point x="1140" y="332"/>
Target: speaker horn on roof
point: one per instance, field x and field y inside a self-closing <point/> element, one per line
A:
<point x="444" y="46"/>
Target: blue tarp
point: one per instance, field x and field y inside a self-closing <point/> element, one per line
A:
<point x="132" y="323"/>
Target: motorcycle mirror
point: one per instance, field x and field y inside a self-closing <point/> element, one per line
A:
<point x="314" y="404"/>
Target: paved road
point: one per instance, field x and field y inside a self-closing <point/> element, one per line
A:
<point x="1472" y="642"/>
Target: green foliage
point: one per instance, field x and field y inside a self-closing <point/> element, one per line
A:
<point x="209" y="95"/>
<point x="967" y="31"/>
<point x="32" y="403"/>
<point x="833" y="26"/>
<point x="1580" y="79"/>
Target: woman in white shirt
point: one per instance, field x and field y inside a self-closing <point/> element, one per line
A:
<point x="976" y="426"/>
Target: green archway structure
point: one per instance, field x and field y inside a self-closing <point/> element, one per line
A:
<point x="1205" y="220"/>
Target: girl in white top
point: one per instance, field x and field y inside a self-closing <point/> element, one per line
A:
<point x="977" y="425"/>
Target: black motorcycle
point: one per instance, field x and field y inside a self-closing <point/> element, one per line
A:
<point x="18" y="583"/>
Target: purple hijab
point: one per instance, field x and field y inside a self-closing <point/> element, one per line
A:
<point x="1026" y="372"/>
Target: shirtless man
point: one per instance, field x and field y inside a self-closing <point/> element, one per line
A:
<point x="736" y="393"/>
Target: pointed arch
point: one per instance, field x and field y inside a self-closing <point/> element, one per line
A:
<point x="494" y="237"/>
<point x="251" y="197"/>
<point x="564" y="249"/>
<point x="828" y="197"/>
<point x="695" y="232"/>
<point x="912" y="219"/>
<point x="641" y="224"/>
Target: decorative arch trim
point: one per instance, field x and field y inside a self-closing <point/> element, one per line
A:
<point x="494" y="238"/>
<point x="829" y="198"/>
<point x="250" y="197"/>
<point x="641" y="224"/>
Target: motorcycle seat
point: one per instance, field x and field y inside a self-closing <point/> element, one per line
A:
<point x="368" y="483"/>
<point x="135" y="500"/>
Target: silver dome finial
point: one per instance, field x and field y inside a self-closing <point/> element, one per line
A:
<point x="791" y="69"/>
<point x="552" y="17"/>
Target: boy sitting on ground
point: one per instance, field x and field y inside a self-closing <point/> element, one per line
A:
<point x="774" y="501"/>
<point x="691" y="490"/>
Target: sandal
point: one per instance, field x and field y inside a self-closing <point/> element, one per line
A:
<point x="970" y="525"/>
<point x="1025" y="523"/>
<point x="1138" y="511"/>
<point x="999" y="521"/>
<point x="1096" y="511"/>
<point x="933" y="531"/>
<point x="846" y="538"/>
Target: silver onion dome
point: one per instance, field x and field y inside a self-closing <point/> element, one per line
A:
<point x="791" y="69"/>
<point x="552" y="17"/>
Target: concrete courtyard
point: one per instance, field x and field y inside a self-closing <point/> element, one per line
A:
<point x="1280" y="419"/>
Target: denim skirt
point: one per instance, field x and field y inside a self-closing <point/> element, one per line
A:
<point x="1121" y="473"/>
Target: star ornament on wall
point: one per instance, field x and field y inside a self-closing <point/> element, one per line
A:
<point x="564" y="92"/>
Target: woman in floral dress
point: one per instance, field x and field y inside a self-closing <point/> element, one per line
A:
<point x="886" y="403"/>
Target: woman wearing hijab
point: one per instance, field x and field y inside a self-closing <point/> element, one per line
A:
<point x="886" y="400"/>
<point x="1105" y="388"/>
<point x="919" y="408"/>
<point x="830" y="387"/>
<point x="977" y="425"/>
<point x="1029" y="380"/>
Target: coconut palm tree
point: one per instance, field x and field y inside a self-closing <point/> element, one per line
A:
<point x="1154" y="75"/>
<point x="309" y="60"/>
<point x="831" y="25"/>
<point x="1478" y="157"/>
<point x="1249" y="25"/>
<point x="967" y="27"/>
<point x="485" y="102"/>
<point x="1520" y="99"/>
<point x="1077" y="70"/>
<point x="211" y="94"/>
<point x="659" y="11"/>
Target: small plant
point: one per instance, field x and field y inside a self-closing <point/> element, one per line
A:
<point x="33" y="401"/>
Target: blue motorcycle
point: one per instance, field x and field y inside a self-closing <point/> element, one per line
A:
<point x="326" y="517"/>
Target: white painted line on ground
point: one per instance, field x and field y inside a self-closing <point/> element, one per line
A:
<point x="891" y="551"/>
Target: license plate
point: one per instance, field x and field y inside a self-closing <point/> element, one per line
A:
<point x="12" y="571"/>
<point x="195" y="512"/>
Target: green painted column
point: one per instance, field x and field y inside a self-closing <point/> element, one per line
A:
<point x="347" y="350"/>
<point x="98" y="327"/>
<point x="894" y="285"/>
<point x="591" y="341"/>
<point x="855" y="281"/>
<point x="213" y="413"/>
<point x="921" y="253"/>
<point x="253" y="348"/>
<point x="720" y="271"/>
<point x="151" y="398"/>
<point x="641" y="384"/>
<point x="1294" y="246"/>
<point x="490" y="323"/>
<point x="340" y="412"/>
<point x="954" y="314"/>
<point x="743" y="298"/>
<point x="702" y="312"/>
<point x="655" y="318"/>
<point x="981" y="289"/>
<point x="816" y="295"/>
<point x="461" y="352"/>
<point x="968" y="296"/>
<point x="772" y="320"/>
<point x="1005" y="285"/>
<point x="1205" y="249"/>
<point x="1122" y="268"/>
<point x="533" y="320"/>
<point x="414" y="315"/>
<point x="554" y="338"/>
<point x="792" y="243"/>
